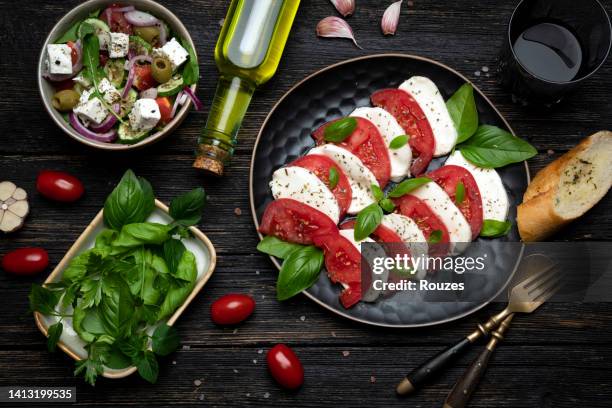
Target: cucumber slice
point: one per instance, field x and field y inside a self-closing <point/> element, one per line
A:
<point x="172" y="87"/>
<point x="98" y="25"/>
<point x="128" y="136"/>
<point x="128" y="102"/>
<point x="140" y="46"/>
<point x="115" y="71"/>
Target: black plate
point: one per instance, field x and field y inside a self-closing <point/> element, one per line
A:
<point x="336" y="91"/>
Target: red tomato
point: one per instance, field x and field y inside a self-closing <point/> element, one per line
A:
<point x="343" y="264"/>
<point x="165" y="109"/>
<point x="295" y="222"/>
<point x="103" y="58"/>
<point x="366" y="143"/>
<point x="25" y="261"/>
<point x="232" y="309"/>
<point x="449" y="177"/>
<point x="320" y="165"/>
<point x="285" y="367"/>
<point x="59" y="186"/>
<point x="143" y="77"/>
<point x="74" y="53"/>
<point x="116" y="20"/>
<point x="411" y="117"/>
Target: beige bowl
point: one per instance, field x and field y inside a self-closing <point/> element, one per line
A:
<point x="80" y="13"/>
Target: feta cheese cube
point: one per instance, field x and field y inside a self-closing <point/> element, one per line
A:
<point x="119" y="45"/>
<point x="104" y="39"/>
<point x="111" y="94"/>
<point x="144" y="115"/>
<point x="92" y="111"/>
<point x="60" y="59"/>
<point x="174" y="52"/>
<point x="81" y="80"/>
<point x="86" y="95"/>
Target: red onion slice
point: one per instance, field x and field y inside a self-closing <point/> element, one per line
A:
<point x="130" y="67"/>
<point x="107" y="137"/>
<point x="124" y="9"/>
<point x="196" y="102"/>
<point x="109" y="122"/>
<point x="177" y="103"/>
<point x="150" y="93"/>
<point x="140" y="18"/>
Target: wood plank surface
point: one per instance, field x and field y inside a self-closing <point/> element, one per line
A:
<point x="559" y="357"/>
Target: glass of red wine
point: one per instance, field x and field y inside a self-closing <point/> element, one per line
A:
<point x="552" y="46"/>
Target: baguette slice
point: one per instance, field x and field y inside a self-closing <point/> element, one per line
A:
<point x="567" y="188"/>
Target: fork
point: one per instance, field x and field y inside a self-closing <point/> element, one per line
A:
<point x="525" y="298"/>
<point x="521" y="301"/>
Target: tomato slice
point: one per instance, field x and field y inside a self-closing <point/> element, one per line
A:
<point x="380" y="234"/>
<point x="449" y="177"/>
<point x="74" y="53"/>
<point x="116" y="20"/>
<point x="320" y="165"/>
<point x="165" y="109"/>
<point x="343" y="264"/>
<point x="366" y="143"/>
<point x="426" y="219"/>
<point x="296" y="222"/>
<point x="412" y="119"/>
<point x="143" y="77"/>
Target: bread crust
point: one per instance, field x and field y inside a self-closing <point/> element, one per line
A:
<point x="537" y="218"/>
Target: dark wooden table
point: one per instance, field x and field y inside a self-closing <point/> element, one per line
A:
<point x="561" y="356"/>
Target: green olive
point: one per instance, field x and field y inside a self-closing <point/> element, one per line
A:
<point x="149" y="34"/>
<point x="161" y="70"/>
<point x="65" y="100"/>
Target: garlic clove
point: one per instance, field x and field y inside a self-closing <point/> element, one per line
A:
<point x="335" y="27"/>
<point x="344" y="7"/>
<point x="19" y="208"/>
<point x="6" y="190"/>
<point x="390" y="18"/>
<point x="19" y="194"/>
<point x="10" y="222"/>
<point x="14" y="206"/>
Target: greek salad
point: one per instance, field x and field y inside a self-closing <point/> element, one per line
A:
<point x="120" y="74"/>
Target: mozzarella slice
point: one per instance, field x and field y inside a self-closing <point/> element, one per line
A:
<point x="304" y="186"/>
<point x="428" y="96"/>
<point x="389" y="129"/>
<point x="411" y="235"/>
<point x="359" y="176"/>
<point x="495" y="202"/>
<point x="440" y="203"/>
<point x="373" y="251"/>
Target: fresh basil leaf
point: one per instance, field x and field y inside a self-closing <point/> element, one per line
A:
<point x="495" y="229"/>
<point x="54" y="332"/>
<point x="340" y="129"/>
<point x="187" y="269"/>
<point x="174" y="299"/>
<point x="299" y="271"/>
<point x="191" y="72"/>
<point x="130" y="202"/>
<point x="399" y="142"/>
<point x="377" y="192"/>
<point x="387" y="205"/>
<point x="492" y="147"/>
<point x="43" y="300"/>
<point x="435" y="237"/>
<point x="132" y="346"/>
<point x="78" y="317"/>
<point x="334" y="177"/>
<point x="117" y="360"/>
<point x="186" y="209"/>
<point x="173" y="252"/>
<point x="145" y="233"/>
<point x="165" y="340"/>
<point x="148" y="367"/>
<point x="463" y="111"/>
<point x="273" y="246"/>
<point x="368" y="220"/>
<point x="70" y="35"/>
<point x="92" y="323"/>
<point x="407" y="186"/>
<point x="116" y="310"/>
<point x="459" y="193"/>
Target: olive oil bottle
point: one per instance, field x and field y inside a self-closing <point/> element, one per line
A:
<point x="247" y="55"/>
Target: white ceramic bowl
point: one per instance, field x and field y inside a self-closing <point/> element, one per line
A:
<point x="80" y="13"/>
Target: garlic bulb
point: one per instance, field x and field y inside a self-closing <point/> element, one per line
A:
<point x="14" y="206"/>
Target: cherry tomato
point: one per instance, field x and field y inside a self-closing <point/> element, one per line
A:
<point x="232" y="309"/>
<point x="25" y="261"/>
<point x="143" y="77"/>
<point x="116" y="20"/>
<point x="165" y="109"/>
<point x="59" y="186"/>
<point x="285" y="367"/>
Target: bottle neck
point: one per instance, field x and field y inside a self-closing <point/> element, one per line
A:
<point x="218" y="138"/>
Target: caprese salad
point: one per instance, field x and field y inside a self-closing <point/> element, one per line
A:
<point x="120" y="74"/>
<point x="374" y="164"/>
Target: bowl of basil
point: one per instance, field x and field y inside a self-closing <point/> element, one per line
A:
<point x="112" y="300"/>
